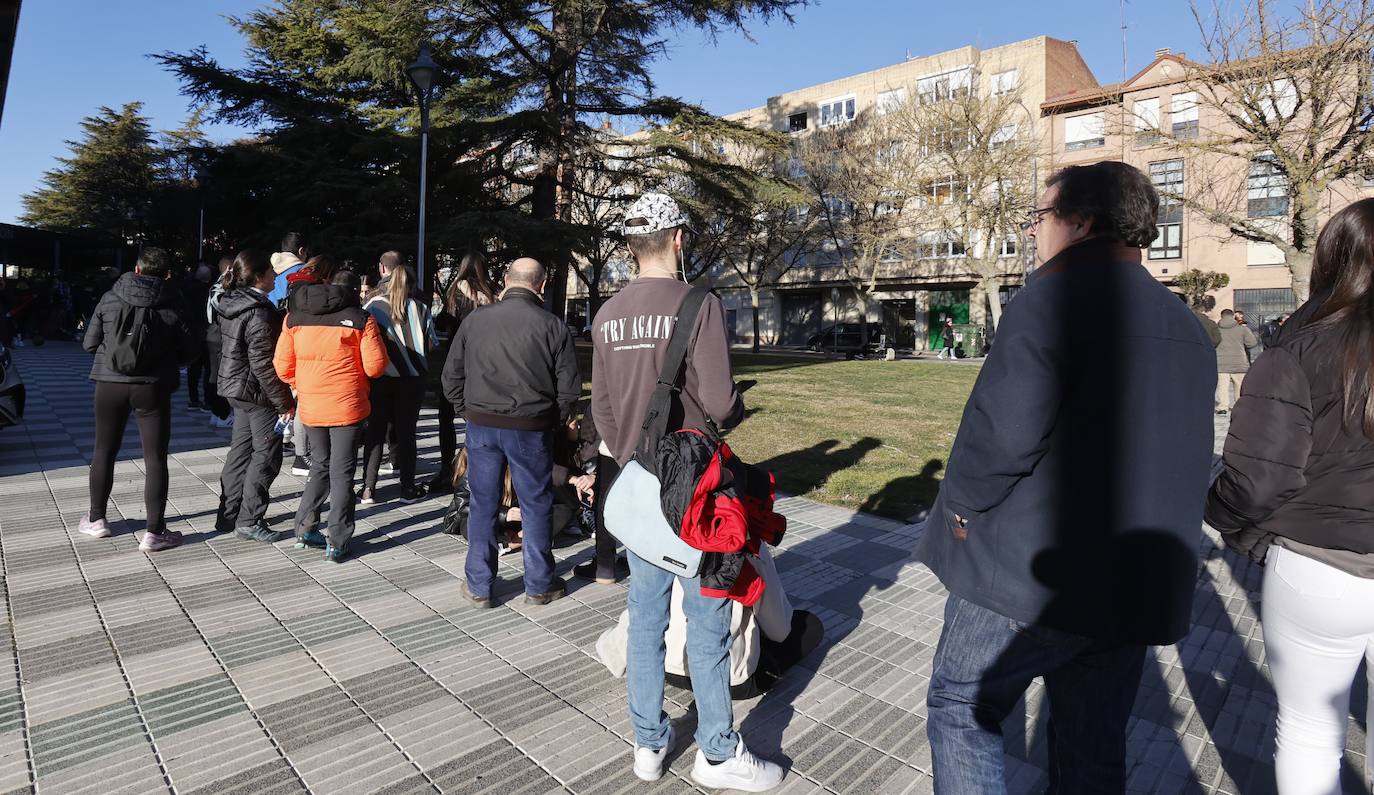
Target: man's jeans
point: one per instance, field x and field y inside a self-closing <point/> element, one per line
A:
<point x="530" y="458"/>
<point x="985" y="662"/>
<point x="708" y="660"/>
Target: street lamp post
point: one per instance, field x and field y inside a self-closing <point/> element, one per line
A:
<point x="200" y="226"/>
<point x="421" y="75"/>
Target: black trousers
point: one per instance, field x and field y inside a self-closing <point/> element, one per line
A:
<point x="448" y="438"/>
<point x="251" y="466"/>
<point x="333" y="463"/>
<point x="395" y="404"/>
<point x="151" y="405"/>
<point x="198" y="375"/>
<point x="606" y="472"/>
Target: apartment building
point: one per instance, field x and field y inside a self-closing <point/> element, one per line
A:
<point x="1075" y="120"/>
<point x="1134" y="121"/>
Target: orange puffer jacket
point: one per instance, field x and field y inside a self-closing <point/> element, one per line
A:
<point x="328" y="351"/>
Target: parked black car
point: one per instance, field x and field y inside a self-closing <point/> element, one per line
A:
<point x="11" y="390"/>
<point x="847" y="338"/>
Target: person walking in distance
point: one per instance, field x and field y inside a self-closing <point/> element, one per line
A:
<point x="249" y="328"/>
<point x="1233" y="359"/>
<point x="468" y="288"/>
<point x="408" y="332"/>
<point x="630" y="336"/>
<point x="1067" y="526"/>
<point x="1297" y="493"/>
<point x="512" y="373"/>
<point x="328" y="352"/>
<point x="947" y="340"/>
<point x="139" y="338"/>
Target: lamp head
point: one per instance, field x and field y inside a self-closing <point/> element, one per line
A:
<point x="422" y="72"/>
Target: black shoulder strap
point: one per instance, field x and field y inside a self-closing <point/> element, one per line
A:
<point x="670" y="378"/>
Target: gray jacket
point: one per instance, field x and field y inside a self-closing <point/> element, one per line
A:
<point x="1237" y="342"/>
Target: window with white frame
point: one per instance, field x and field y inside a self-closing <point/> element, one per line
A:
<point x="944" y="139"/>
<point x="1002" y="135"/>
<point x="1279" y="99"/>
<point x="1146" y="113"/>
<point x="1167" y="177"/>
<point x="1085" y="132"/>
<point x="1367" y="181"/>
<point x="837" y="111"/>
<point x="943" y="191"/>
<point x="1008" y="247"/>
<point x="937" y="245"/>
<point x="936" y="88"/>
<point x="891" y="100"/>
<point x="1266" y="187"/>
<point x="1183" y="115"/>
<point x="839" y="208"/>
<point x="1003" y="82"/>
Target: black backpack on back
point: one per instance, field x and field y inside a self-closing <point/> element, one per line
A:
<point x="137" y="348"/>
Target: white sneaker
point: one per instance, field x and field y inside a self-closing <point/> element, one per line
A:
<point x="97" y="529"/>
<point x="744" y="772"/>
<point x="649" y="762"/>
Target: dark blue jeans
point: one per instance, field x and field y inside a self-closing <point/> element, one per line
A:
<point x="530" y="458"/>
<point x="985" y="662"/>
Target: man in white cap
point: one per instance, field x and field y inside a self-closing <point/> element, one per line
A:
<point x="630" y="338"/>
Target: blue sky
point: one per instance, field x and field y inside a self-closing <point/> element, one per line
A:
<point x="73" y="56"/>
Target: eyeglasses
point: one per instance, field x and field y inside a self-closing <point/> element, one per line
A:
<point x="1035" y="217"/>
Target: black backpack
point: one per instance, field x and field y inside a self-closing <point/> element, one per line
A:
<point x="137" y="348"/>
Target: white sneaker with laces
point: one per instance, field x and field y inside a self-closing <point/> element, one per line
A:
<point x="649" y="761"/>
<point x="744" y="772"/>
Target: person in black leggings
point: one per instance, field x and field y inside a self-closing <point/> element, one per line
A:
<point x="143" y="388"/>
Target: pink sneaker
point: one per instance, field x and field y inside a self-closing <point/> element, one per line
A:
<point x="156" y="542"/>
<point x="97" y="529"/>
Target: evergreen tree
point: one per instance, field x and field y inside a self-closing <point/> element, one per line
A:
<point x="108" y="181"/>
<point x="523" y="89"/>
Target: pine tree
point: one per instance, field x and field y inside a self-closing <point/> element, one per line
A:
<point x="523" y="90"/>
<point x="107" y="182"/>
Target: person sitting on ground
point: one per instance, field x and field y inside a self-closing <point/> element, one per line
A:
<point x="328" y="352"/>
<point x="139" y="339"/>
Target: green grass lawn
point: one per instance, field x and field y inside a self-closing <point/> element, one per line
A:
<point x="872" y="435"/>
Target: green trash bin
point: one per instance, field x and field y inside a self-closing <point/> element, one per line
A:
<point x="970" y="339"/>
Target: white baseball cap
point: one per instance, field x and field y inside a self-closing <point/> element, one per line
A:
<point x="653" y="212"/>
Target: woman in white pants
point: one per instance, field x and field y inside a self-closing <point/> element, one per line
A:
<point x="1297" y="492"/>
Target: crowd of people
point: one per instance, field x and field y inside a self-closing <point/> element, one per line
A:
<point x="1066" y="530"/>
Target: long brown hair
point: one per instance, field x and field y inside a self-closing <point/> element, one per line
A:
<point x="1343" y="265"/>
<point x="323" y="267"/>
<point x="472" y="271"/>
<point x="398" y="292"/>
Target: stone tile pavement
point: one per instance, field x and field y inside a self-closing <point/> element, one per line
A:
<point x="231" y="667"/>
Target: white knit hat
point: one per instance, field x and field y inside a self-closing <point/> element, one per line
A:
<point x="653" y="212"/>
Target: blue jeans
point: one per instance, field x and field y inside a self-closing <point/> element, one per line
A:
<point x="708" y="660"/>
<point x="983" y="665"/>
<point x="528" y="453"/>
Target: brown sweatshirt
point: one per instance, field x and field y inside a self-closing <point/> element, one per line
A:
<point x="629" y="339"/>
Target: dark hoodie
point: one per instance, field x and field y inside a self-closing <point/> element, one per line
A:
<point x="133" y="289"/>
<point x="249" y="325"/>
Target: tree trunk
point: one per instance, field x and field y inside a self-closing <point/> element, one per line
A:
<point x="550" y="201"/>
<point x="991" y="287"/>
<point x="754" y="302"/>
<point x="1300" y="266"/>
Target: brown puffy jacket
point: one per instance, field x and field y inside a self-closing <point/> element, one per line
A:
<point x="328" y="351"/>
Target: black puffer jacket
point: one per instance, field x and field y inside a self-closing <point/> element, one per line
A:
<point x="1294" y="468"/>
<point x="133" y="289"/>
<point x="249" y="326"/>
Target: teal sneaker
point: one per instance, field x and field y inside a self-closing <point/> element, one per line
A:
<point x="311" y="538"/>
<point x="335" y="554"/>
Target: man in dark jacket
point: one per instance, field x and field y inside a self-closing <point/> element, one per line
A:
<point x="1068" y="523"/>
<point x="512" y="373"/>
<point x="149" y="307"/>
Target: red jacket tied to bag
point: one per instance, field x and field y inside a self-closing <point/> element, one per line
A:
<point x="721" y="506"/>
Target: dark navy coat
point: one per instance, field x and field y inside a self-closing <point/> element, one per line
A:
<point x="1081" y="465"/>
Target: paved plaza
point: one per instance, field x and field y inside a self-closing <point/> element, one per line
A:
<point x="228" y="666"/>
